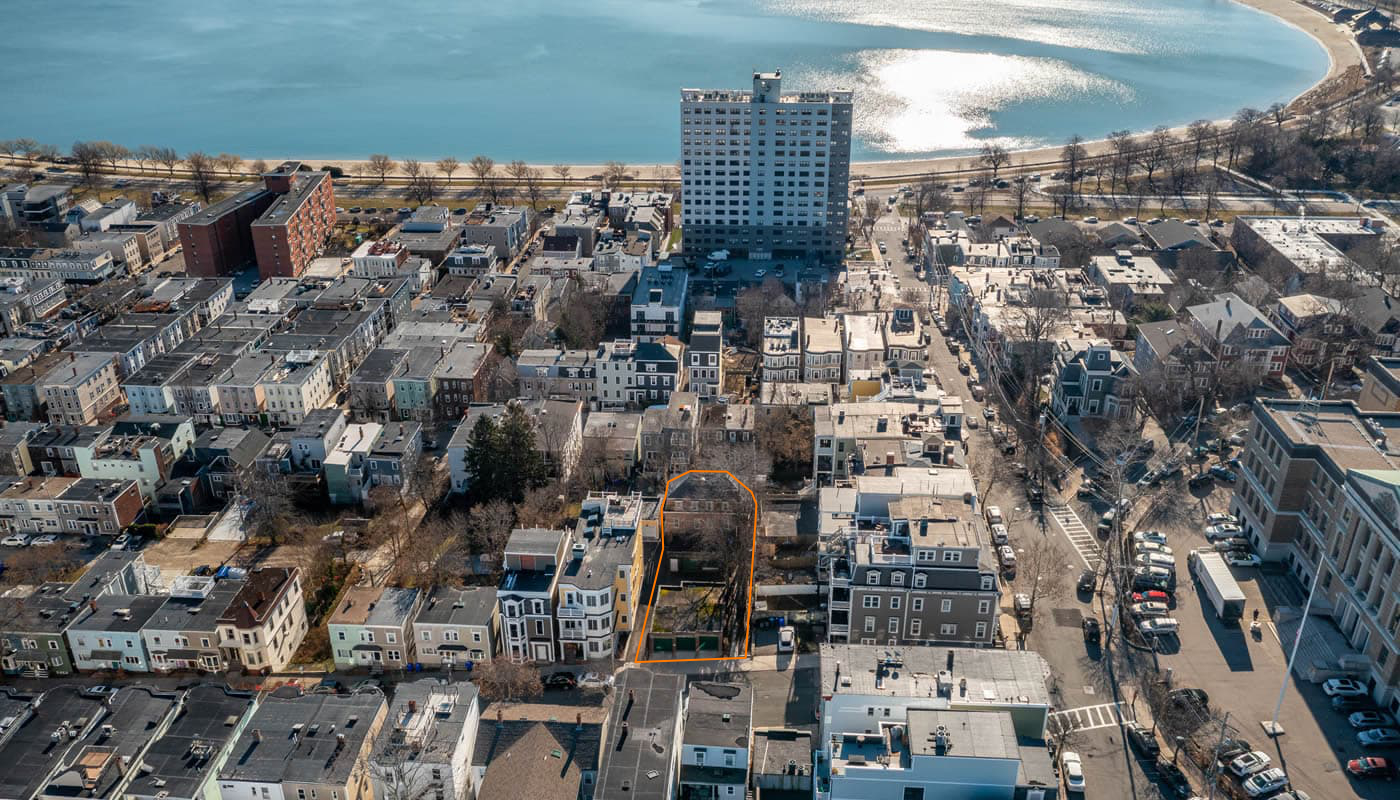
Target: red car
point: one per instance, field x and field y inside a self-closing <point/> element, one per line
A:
<point x="1153" y="596"/>
<point x="1371" y="767"/>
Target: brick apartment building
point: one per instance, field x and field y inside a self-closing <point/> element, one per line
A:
<point x="280" y="226"/>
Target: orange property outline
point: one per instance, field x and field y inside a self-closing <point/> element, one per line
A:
<point x="753" y="556"/>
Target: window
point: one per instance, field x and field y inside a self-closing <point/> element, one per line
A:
<point x="946" y="606"/>
<point x="913" y="793"/>
<point x="894" y="625"/>
<point x="894" y="603"/>
<point x="920" y="581"/>
<point x="948" y="629"/>
<point x="984" y="606"/>
<point x="870" y="601"/>
<point x="918" y="604"/>
<point x="897" y="579"/>
<point x="952" y="556"/>
<point x="869" y="624"/>
<point x="873" y="578"/>
<point x="981" y="630"/>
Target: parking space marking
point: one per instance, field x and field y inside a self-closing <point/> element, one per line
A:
<point x="1079" y="536"/>
<point x="1088" y="718"/>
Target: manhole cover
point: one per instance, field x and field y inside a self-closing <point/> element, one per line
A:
<point x="1066" y="617"/>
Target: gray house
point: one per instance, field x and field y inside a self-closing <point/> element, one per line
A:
<point x="1092" y="380"/>
<point x="457" y="625"/>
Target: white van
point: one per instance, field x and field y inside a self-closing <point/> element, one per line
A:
<point x="1155" y="560"/>
<point x="1158" y="626"/>
<point x="999" y="534"/>
<point x="994" y="516"/>
<point x="1007" y="557"/>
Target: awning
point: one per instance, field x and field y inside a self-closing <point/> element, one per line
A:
<point x="187" y="655"/>
<point x="453" y="648"/>
<point x="367" y="648"/>
<point x="105" y="655"/>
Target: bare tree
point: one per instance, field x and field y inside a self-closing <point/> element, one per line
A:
<point x="114" y="154"/>
<point x="668" y="177"/>
<point x="1042" y="570"/>
<point x="448" y="167"/>
<point x="756" y="303"/>
<point x="381" y="165"/>
<point x="1020" y="194"/>
<point x="534" y="188"/>
<point x="88" y="156"/>
<point x="501" y="679"/>
<point x="489" y="527"/>
<point x="1199" y="133"/>
<point x="1073" y="156"/>
<point x="1154" y="156"/>
<point x="562" y="172"/>
<point x="266" y="503"/>
<point x="166" y="157"/>
<point x="228" y="162"/>
<point x="518" y="170"/>
<point x="142" y="156"/>
<point x="614" y="173"/>
<point x="994" y="157"/>
<point x="202" y="170"/>
<point x="484" y="168"/>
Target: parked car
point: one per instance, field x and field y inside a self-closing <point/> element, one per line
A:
<point x="44" y="541"/>
<point x="1354" y="703"/>
<point x="1142" y="739"/>
<point x="1371" y="719"/>
<point x="560" y="680"/>
<point x="1021" y="604"/>
<point x="15" y="540"/>
<point x="1250" y="763"/>
<point x="1222" y="531"/>
<point x="1343" y="687"/>
<point x="1151" y="537"/>
<point x="1148" y="610"/>
<point x="1237" y="559"/>
<point x="999" y="534"/>
<point x="100" y="689"/>
<point x="1151" y="597"/>
<point x="121" y="541"/>
<point x="1073" y="770"/>
<point x="1199" y="479"/>
<point x="328" y="686"/>
<point x="1379" y="737"/>
<point x="1151" y="547"/>
<point x="1231" y="543"/>
<point x="1371" y="767"/>
<point x="595" y="680"/>
<point x="1154" y="560"/>
<point x="1152" y="578"/>
<point x="1091" y="629"/>
<point x="1222" y="519"/>
<point x="994" y="517"/>
<point x="1158" y="626"/>
<point x="1087" y="580"/>
<point x="1265" y="783"/>
<point x="1087" y="490"/>
<point x="787" y="639"/>
<point x="1007" y="557"/>
<point x="1171" y="775"/>
<point x="1227" y="475"/>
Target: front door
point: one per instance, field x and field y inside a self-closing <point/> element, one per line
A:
<point x="541" y="651"/>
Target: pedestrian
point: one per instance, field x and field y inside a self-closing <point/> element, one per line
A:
<point x="1256" y="614"/>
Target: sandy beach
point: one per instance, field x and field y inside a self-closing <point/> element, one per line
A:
<point x="1341" y="50"/>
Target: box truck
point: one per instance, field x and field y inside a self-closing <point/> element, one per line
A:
<point x="1217" y="584"/>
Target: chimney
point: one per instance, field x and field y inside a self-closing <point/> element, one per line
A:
<point x="257" y="735"/>
<point x="500" y="719"/>
<point x="950" y="660"/>
<point x="413" y="706"/>
<point x="578" y="721"/>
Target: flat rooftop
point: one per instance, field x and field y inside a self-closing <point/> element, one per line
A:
<point x="993" y="677"/>
<point x="1339" y="430"/>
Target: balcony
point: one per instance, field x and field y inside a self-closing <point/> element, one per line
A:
<point x="573" y="634"/>
<point x="569" y="612"/>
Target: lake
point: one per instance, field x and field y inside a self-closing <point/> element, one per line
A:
<point x="556" y="82"/>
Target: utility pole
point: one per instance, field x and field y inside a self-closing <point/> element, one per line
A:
<point x="1215" y="757"/>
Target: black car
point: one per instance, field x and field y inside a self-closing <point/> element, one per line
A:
<point x="1035" y="495"/>
<point x="202" y="570"/>
<point x="1189" y="697"/>
<point x="1091" y="629"/>
<point x="559" y="680"/>
<point x="1142" y="739"/>
<point x="1173" y="778"/>
<point x="1199" y="479"/>
<point x="329" y="686"/>
<point x="1231" y="749"/>
<point x="1087" y="580"/>
<point x="1340" y="703"/>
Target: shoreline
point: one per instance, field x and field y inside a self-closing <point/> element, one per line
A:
<point x="1342" y="53"/>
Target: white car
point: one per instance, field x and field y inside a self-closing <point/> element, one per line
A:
<point x="1073" y="770"/>
<point x="1158" y="626"/>
<point x="1149" y="610"/>
<point x="760" y="273"/>
<point x="1222" y="519"/>
<point x="595" y="680"/>
<point x="1154" y="537"/>
<point x="1250" y="763"/>
<point x="1154" y="560"/>
<point x="1265" y="783"/>
<point x="44" y="541"/>
<point x="1092" y="220"/>
<point x="121" y="541"/>
<point x="15" y="540"/>
<point x="999" y="535"/>
<point x="1222" y="530"/>
<point x="971" y="422"/>
<point x="787" y="639"/>
<point x="1151" y="547"/>
<point x="994" y="516"/>
<point x="1237" y="559"/>
<point x="1343" y="687"/>
<point x="1370" y="719"/>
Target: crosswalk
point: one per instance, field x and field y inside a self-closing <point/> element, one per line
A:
<point x="1080" y="537"/>
<point x="1088" y="718"/>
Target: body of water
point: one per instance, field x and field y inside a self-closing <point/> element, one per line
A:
<point x="548" y="81"/>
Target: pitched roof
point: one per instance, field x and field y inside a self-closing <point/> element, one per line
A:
<point x="535" y="760"/>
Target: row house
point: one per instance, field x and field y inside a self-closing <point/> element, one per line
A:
<point x="782" y="349"/>
<point x="823" y="349"/>
<point x="906" y="342"/>
<point x="715" y="740"/>
<point x="705" y="355"/>
<point x="639" y="374"/>
<point x="600" y="585"/>
<point x="457" y="626"/>
<point x="556" y="374"/>
<point x="426" y="745"/>
<point x="86" y="506"/>
<point x="920" y="573"/>
<point x="1167" y="348"/>
<point x="79" y="391"/>
<point x="372" y="628"/>
<point x="659" y="303"/>
<point x="669" y="435"/>
<point x="528" y="593"/>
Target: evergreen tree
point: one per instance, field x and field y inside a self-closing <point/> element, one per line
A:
<point x="483" y="467"/>
<point x="519" y="465"/>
